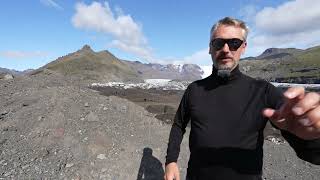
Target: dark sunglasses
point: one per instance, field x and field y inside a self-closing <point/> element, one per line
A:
<point x="233" y="43"/>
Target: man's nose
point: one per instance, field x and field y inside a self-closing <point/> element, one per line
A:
<point x="225" y="48"/>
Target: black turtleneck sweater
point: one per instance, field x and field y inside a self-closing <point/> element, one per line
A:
<point x="226" y="138"/>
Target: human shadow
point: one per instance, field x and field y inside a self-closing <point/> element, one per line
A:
<point x="150" y="167"/>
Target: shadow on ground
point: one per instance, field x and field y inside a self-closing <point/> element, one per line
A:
<point x="150" y="167"/>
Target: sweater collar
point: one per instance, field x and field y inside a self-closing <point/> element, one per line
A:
<point x="225" y="76"/>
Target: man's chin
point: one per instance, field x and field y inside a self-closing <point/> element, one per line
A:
<point x="226" y="66"/>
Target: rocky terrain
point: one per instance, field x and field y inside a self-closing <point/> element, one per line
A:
<point x="55" y="128"/>
<point x="6" y="76"/>
<point x="10" y="74"/>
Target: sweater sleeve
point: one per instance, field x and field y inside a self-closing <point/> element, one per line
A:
<point x="308" y="150"/>
<point x="178" y="128"/>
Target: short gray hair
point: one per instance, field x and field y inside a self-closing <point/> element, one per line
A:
<point x="229" y="21"/>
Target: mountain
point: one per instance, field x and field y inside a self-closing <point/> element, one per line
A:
<point x="274" y="64"/>
<point x="14" y="72"/>
<point x="105" y="67"/>
<point x="93" y="66"/>
<point x="273" y="53"/>
<point x="285" y="65"/>
<point x="9" y="71"/>
<point x="170" y="71"/>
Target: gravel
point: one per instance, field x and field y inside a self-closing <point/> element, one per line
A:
<point x="54" y="127"/>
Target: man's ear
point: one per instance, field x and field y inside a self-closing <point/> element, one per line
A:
<point x="244" y="47"/>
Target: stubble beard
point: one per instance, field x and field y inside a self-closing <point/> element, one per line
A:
<point x="220" y="66"/>
<point x="224" y="70"/>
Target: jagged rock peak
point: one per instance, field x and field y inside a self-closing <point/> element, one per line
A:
<point x="270" y="51"/>
<point x="86" y="47"/>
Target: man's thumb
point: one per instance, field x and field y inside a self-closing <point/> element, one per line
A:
<point x="275" y="117"/>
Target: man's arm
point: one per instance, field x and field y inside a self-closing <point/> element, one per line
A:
<point x="308" y="150"/>
<point x="178" y="129"/>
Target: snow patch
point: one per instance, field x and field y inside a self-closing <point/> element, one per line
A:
<point x="178" y="67"/>
<point x="168" y="84"/>
<point x="164" y="84"/>
<point x="157" y="81"/>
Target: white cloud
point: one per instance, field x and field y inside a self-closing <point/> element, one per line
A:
<point x="293" y="24"/>
<point x="291" y="17"/>
<point x="143" y="52"/>
<point x="126" y="33"/>
<point x="22" y="54"/>
<point x="200" y="57"/>
<point x="51" y="3"/>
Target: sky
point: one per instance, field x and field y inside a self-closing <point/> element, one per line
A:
<point x="36" y="32"/>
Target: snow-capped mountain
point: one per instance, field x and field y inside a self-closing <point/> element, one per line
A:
<point x="169" y="71"/>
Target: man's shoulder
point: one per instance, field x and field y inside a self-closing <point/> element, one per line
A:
<point x="200" y="82"/>
<point x="258" y="81"/>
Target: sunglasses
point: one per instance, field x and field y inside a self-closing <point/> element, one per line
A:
<point x="233" y="43"/>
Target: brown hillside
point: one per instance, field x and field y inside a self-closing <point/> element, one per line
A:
<point x="93" y="66"/>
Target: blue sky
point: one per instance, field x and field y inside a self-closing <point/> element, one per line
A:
<point x="35" y="32"/>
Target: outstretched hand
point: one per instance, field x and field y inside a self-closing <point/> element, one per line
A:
<point x="300" y="114"/>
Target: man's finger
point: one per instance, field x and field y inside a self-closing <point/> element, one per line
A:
<point x="168" y="177"/>
<point x="271" y="114"/>
<point x="178" y="176"/>
<point x="309" y="102"/>
<point x="294" y="92"/>
<point x="314" y="117"/>
<point x="275" y="117"/>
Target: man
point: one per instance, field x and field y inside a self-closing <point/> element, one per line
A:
<point x="229" y="110"/>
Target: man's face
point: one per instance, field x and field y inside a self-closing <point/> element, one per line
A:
<point x="226" y="58"/>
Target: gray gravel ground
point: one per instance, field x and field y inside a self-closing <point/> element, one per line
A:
<point x="52" y="127"/>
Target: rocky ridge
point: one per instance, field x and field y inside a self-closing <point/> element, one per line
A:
<point x="87" y="65"/>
